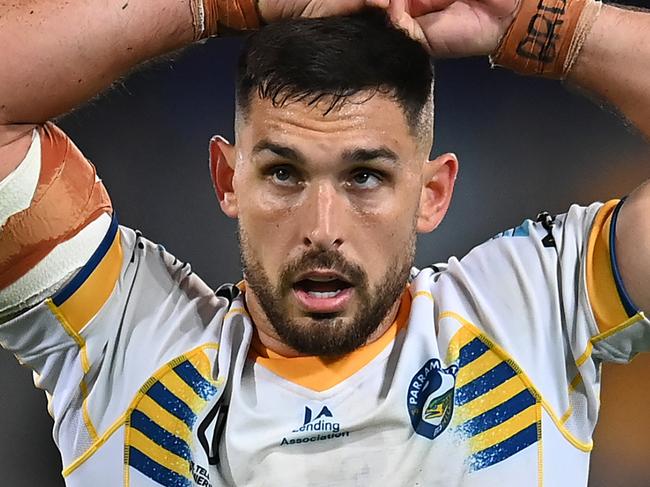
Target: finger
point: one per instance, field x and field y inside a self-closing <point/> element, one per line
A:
<point x="399" y="15"/>
<point x="422" y="7"/>
<point x="459" y="32"/>
<point x="383" y="4"/>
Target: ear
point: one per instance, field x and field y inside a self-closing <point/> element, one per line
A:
<point x="439" y="179"/>
<point x="222" y="171"/>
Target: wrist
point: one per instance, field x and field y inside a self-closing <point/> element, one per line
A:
<point x="546" y="36"/>
<point x="213" y="17"/>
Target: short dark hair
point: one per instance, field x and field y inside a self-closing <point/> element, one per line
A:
<point x="332" y="59"/>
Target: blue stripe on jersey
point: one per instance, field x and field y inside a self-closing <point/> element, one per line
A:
<point x="156" y="471"/>
<point x="167" y="400"/>
<point x="505" y="449"/>
<point x="628" y="305"/>
<point x="195" y="380"/>
<point x="69" y="289"/>
<point x="485" y="383"/>
<point x="160" y="436"/>
<point x="472" y="351"/>
<point x="499" y="414"/>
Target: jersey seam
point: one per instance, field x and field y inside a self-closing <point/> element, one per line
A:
<point x="123" y="418"/>
<point x="613" y="331"/>
<point x="584" y="292"/>
<point x="601" y="337"/>
<point x="85" y="366"/>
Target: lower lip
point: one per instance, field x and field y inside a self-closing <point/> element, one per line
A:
<point x="313" y="304"/>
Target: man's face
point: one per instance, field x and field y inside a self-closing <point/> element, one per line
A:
<point x="327" y="208"/>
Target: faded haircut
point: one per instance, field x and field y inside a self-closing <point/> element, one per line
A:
<point x="329" y="60"/>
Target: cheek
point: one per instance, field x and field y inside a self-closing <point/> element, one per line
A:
<point x="383" y="235"/>
<point x="268" y="225"/>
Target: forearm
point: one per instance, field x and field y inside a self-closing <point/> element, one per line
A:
<point x="615" y="66"/>
<point x="614" y="63"/>
<point x="56" y="55"/>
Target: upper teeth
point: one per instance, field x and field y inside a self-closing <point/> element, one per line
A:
<point x="321" y="279"/>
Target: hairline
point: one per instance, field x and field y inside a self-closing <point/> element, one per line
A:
<point x="420" y="126"/>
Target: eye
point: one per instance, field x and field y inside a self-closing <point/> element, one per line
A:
<point x="283" y="175"/>
<point x="365" y="179"/>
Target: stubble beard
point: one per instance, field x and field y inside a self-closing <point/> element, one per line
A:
<point x="318" y="334"/>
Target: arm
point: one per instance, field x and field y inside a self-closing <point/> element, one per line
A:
<point x="56" y="55"/>
<point x="613" y="65"/>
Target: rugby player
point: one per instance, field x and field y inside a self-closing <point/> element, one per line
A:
<point x="333" y="362"/>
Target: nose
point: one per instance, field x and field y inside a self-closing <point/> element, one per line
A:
<point x="323" y="217"/>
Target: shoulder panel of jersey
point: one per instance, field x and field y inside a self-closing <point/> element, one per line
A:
<point x="623" y="329"/>
<point x="132" y="307"/>
<point x="525" y="291"/>
<point x="54" y="213"/>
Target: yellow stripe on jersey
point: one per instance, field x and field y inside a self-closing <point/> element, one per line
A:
<point x="158" y="454"/>
<point x="159" y="439"/>
<point x="495" y="396"/>
<point x="460" y="339"/>
<point x="601" y="286"/>
<point x="164" y="419"/>
<point x="87" y="300"/>
<point x="478" y="368"/>
<point x="505" y="430"/>
<point x="490" y="400"/>
<point x="202" y="364"/>
<point x="183" y="391"/>
<point x="494" y="408"/>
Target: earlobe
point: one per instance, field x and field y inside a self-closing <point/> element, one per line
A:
<point x="222" y="158"/>
<point x="439" y="179"/>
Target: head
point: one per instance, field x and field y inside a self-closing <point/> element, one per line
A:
<point x="330" y="177"/>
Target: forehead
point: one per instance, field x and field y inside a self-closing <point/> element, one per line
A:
<point x="360" y="118"/>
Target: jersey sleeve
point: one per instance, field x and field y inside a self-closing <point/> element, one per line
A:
<point x="622" y="329"/>
<point x="547" y="294"/>
<point x="558" y="271"/>
<point x="92" y="308"/>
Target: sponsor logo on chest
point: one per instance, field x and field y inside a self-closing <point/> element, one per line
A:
<point x="316" y="427"/>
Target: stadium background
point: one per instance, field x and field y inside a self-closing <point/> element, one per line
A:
<point x="525" y="145"/>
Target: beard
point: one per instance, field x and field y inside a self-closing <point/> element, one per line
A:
<point x="326" y="334"/>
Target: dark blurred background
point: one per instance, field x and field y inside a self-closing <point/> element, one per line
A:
<point x="524" y="144"/>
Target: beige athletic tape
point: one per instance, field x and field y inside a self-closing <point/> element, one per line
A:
<point x="546" y="36"/>
<point x="210" y="16"/>
<point x="68" y="196"/>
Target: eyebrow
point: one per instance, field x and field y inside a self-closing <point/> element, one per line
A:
<point x="357" y="155"/>
<point x="279" y="150"/>
<point x="365" y="155"/>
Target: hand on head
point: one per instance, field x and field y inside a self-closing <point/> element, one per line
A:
<point x="447" y="28"/>
<point x="455" y="28"/>
<point x="272" y="10"/>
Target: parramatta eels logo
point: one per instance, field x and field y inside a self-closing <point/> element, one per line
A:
<point x="430" y="398"/>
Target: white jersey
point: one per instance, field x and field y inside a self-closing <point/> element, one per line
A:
<point x="489" y="375"/>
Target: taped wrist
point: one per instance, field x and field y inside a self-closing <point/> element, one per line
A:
<point x="546" y="37"/>
<point x="211" y="17"/>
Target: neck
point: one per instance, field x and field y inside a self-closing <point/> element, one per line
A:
<point x="271" y="340"/>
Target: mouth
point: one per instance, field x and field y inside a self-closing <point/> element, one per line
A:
<point x="322" y="292"/>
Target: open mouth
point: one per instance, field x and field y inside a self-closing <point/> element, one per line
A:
<point x="322" y="292"/>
